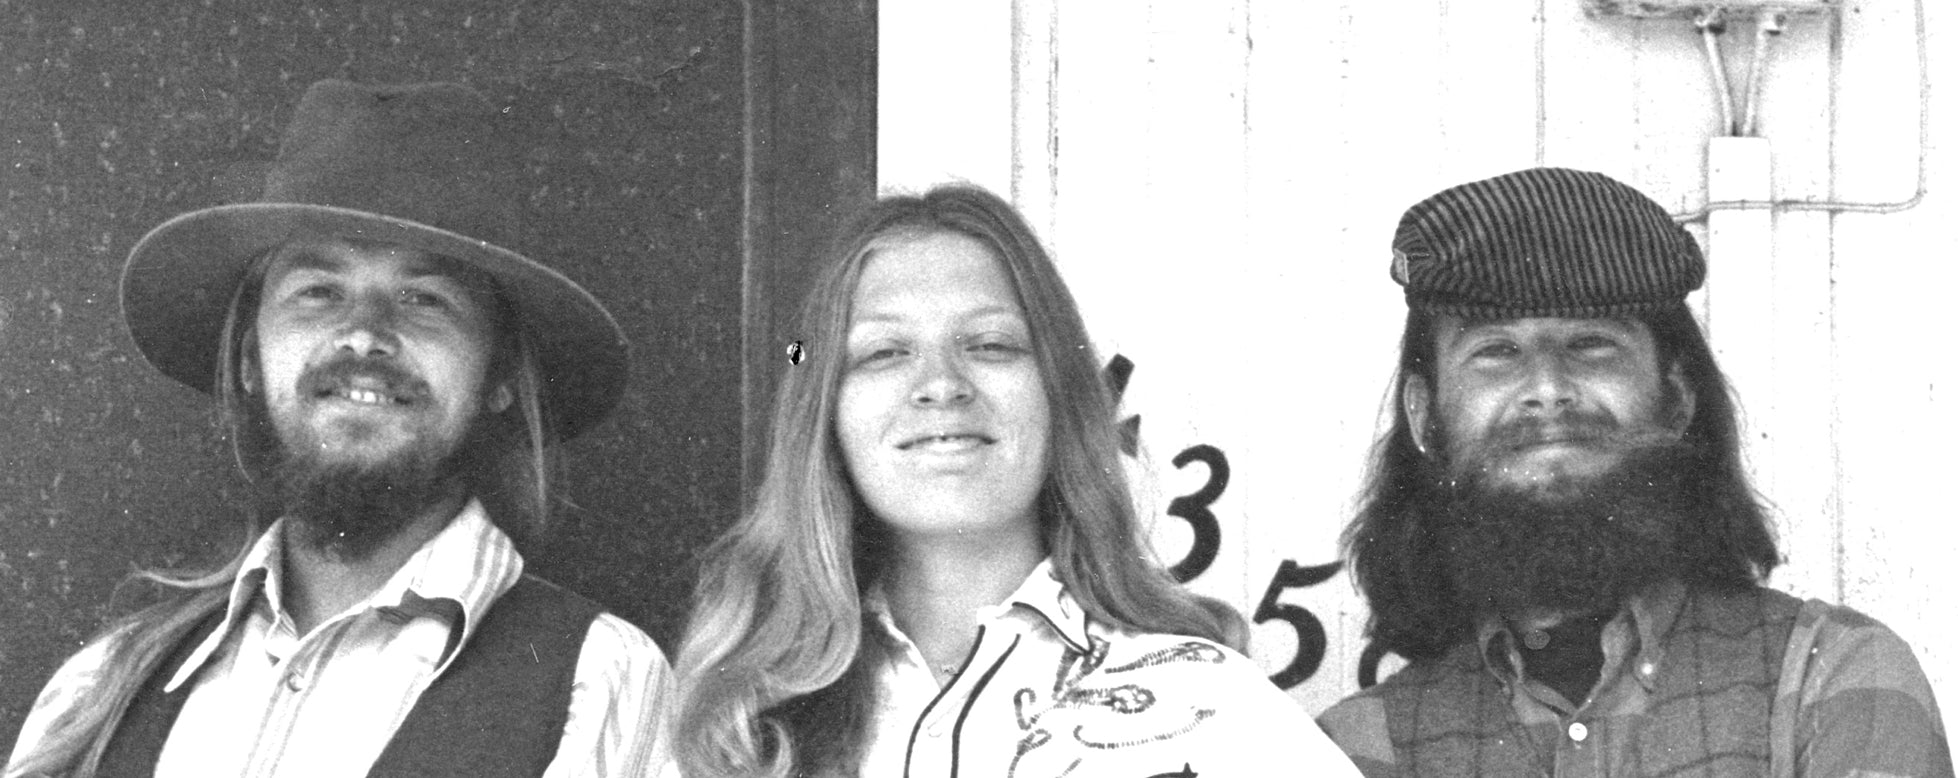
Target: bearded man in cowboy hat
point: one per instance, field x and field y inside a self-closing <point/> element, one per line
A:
<point x="395" y="377"/>
<point x="1559" y="534"/>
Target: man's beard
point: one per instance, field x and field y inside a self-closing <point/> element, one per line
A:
<point x="1582" y="547"/>
<point x="348" y="510"/>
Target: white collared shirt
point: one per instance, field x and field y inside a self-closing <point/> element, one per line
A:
<point x="270" y="702"/>
<point x="1048" y="692"/>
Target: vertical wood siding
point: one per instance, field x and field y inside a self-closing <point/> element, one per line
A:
<point x="1220" y="181"/>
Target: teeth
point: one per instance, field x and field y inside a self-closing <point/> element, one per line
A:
<point x="367" y="396"/>
<point x="947" y="442"/>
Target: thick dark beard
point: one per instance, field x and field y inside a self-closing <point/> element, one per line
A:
<point x="1583" y="549"/>
<point x="348" y="511"/>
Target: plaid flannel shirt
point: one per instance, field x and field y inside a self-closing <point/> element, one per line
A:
<point x="1847" y="699"/>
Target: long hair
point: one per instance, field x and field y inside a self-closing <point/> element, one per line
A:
<point x="777" y="666"/>
<point x="509" y="467"/>
<point x="1394" y="548"/>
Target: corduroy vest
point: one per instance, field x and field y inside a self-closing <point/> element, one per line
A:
<point x="498" y="710"/>
<point x="1451" y="716"/>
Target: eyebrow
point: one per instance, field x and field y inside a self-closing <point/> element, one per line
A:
<point x="876" y="317"/>
<point x="1469" y="327"/>
<point x="305" y="259"/>
<point x="422" y="265"/>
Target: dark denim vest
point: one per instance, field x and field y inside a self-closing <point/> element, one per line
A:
<point x="498" y="710"/>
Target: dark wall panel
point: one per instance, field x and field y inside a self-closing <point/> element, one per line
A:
<point x="119" y="115"/>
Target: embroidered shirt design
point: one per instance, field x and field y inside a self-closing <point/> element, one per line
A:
<point x="1104" y="716"/>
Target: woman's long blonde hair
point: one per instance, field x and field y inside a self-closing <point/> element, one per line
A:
<point x="775" y="668"/>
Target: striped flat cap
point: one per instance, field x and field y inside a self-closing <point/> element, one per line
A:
<point x="1544" y="242"/>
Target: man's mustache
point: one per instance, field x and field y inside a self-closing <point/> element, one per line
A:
<point x="1567" y="427"/>
<point x="339" y="375"/>
<point x="1599" y="428"/>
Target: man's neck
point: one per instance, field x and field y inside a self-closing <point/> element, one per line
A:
<point x="1563" y="650"/>
<point x="320" y="582"/>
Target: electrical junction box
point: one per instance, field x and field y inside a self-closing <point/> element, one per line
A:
<point x="1691" y="9"/>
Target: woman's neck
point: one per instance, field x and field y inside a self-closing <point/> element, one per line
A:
<point x="936" y="585"/>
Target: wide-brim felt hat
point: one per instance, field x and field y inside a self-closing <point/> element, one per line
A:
<point x="428" y="166"/>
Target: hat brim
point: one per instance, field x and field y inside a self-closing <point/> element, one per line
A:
<point x="180" y="278"/>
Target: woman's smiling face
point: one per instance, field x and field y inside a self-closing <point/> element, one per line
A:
<point x="943" y="417"/>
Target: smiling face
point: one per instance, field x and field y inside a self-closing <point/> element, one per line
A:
<point x="942" y="417"/>
<point x="1545" y="404"/>
<point x="369" y="353"/>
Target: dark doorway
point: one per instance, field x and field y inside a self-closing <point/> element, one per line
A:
<point x="689" y="155"/>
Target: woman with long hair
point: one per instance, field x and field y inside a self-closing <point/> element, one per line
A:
<point x="942" y="571"/>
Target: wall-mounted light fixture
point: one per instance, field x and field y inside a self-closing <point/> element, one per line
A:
<point x="1737" y="146"/>
<point x="1693" y="9"/>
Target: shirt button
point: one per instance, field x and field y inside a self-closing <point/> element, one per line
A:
<point x="1647" y="669"/>
<point x="1578" y="732"/>
<point x="295" y="681"/>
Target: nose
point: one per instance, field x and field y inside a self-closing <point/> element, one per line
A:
<point x="942" y="381"/>
<point x="1547" y="386"/>
<point x="369" y="330"/>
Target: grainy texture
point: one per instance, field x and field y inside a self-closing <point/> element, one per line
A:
<point x="119" y="115"/>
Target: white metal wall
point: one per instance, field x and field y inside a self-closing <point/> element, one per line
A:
<point x="1220" y="180"/>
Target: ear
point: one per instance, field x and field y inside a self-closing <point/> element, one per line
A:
<point x="248" y="375"/>
<point x="1682" y="411"/>
<point x="500" y="398"/>
<point x="1416" y="399"/>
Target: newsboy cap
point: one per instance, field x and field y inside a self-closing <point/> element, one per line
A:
<point x="433" y="167"/>
<point x="1544" y="242"/>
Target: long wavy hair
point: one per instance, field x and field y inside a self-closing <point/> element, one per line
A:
<point x="777" y="667"/>
<point x="1393" y="546"/>
<point x="509" y="466"/>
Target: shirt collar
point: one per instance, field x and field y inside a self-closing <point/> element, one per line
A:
<point x="1045" y="596"/>
<point x="460" y="571"/>
<point x="1041" y="598"/>
<point x="1648" y="615"/>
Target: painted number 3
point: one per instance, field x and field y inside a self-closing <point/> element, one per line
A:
<point x="1195" y="509"/>
<point x="1207" y="539"/>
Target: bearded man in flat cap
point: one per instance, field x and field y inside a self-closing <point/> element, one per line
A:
<point x="397" y="378"/>
<point x="1559" y="535"/>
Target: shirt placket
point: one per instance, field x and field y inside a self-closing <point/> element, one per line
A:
<point x="300" y="662"/>
<point x="1580" y="751"/>
<point x="304" y="669"/>
<point x="939" y="729"/>
<point x="1582" y="735"/>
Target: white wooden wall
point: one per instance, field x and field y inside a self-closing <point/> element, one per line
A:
<point x="1220" y="181"/>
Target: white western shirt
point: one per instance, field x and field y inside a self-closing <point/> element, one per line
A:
<point x="270" y="702"/>
<point x="1047" y="692"/>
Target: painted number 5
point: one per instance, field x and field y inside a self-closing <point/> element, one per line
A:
<point x="1311" y="634"/>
